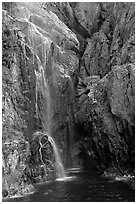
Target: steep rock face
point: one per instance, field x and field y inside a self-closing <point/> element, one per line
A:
<point x="108" y="52"/>
<point x="108" y="116"/>
<point x="87" y="14"/>
<point x="96" y="56"/>
<point x="66" y="13"/>
<point x="113" y="42"/>
<point x="108" y="32"/>
<point x="39" y="72"/>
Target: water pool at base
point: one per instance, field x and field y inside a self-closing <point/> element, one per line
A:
<point x="80" y="186"/>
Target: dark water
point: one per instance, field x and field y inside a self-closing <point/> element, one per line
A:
<point x="80" y="186"/>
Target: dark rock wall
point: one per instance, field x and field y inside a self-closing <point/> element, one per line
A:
<point x="107" y="114"/>
<point x="104" y="95"/>
<point x="109" y="55"/>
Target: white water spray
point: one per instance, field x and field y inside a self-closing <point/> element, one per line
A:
<point x="42" y="84"/>
<point x="59" y="166"/>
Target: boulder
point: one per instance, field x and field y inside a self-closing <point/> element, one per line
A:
<point x="42" y="162"/>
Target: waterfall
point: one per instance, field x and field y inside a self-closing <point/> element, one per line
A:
<point x="59" y="166"/>
<point x="48" y="111"/>
<point x="41" y="50"/>
<point x="60" y="172"/>
<point x="43" y="164"/>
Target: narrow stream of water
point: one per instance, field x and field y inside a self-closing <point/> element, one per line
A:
<point x="80" y="186"/>
<point x="60" y="171"/>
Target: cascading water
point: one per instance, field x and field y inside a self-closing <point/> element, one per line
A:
<point x="60" y="171"/>
<point x="43" y="164"/>
<point x="41" y="48"/>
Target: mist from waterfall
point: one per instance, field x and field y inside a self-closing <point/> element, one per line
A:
<point x="46" y="115"/>
<point x="41" y="48"/>
<point x="60" y="171"/>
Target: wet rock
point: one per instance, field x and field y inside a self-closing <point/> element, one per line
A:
<point x="42" y="161"/>
<point x="45" y="67"/>
<point x="4" y="193"/>
<point x="112" y="117"/>
<point x="48" y="24"/>
<point x="16" y="155"/>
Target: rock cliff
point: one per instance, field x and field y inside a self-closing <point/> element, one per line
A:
<point x="68" y="70"/>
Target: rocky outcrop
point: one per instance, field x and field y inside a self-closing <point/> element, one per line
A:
<point x="106" y="34"/>
<point x="102" y="106"/>
<point x="39" y="74"/>
<point x="87" y="14"/>
<point x="41" y="166"/>
<point x="107" y="113"/>
<point x="16" y="155"/>
<point x="113" y="42"/>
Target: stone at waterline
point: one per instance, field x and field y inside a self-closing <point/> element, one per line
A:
<point x="45" y="163"/>
<point x="4" y="193"/>
<point x="16" y="155"/>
